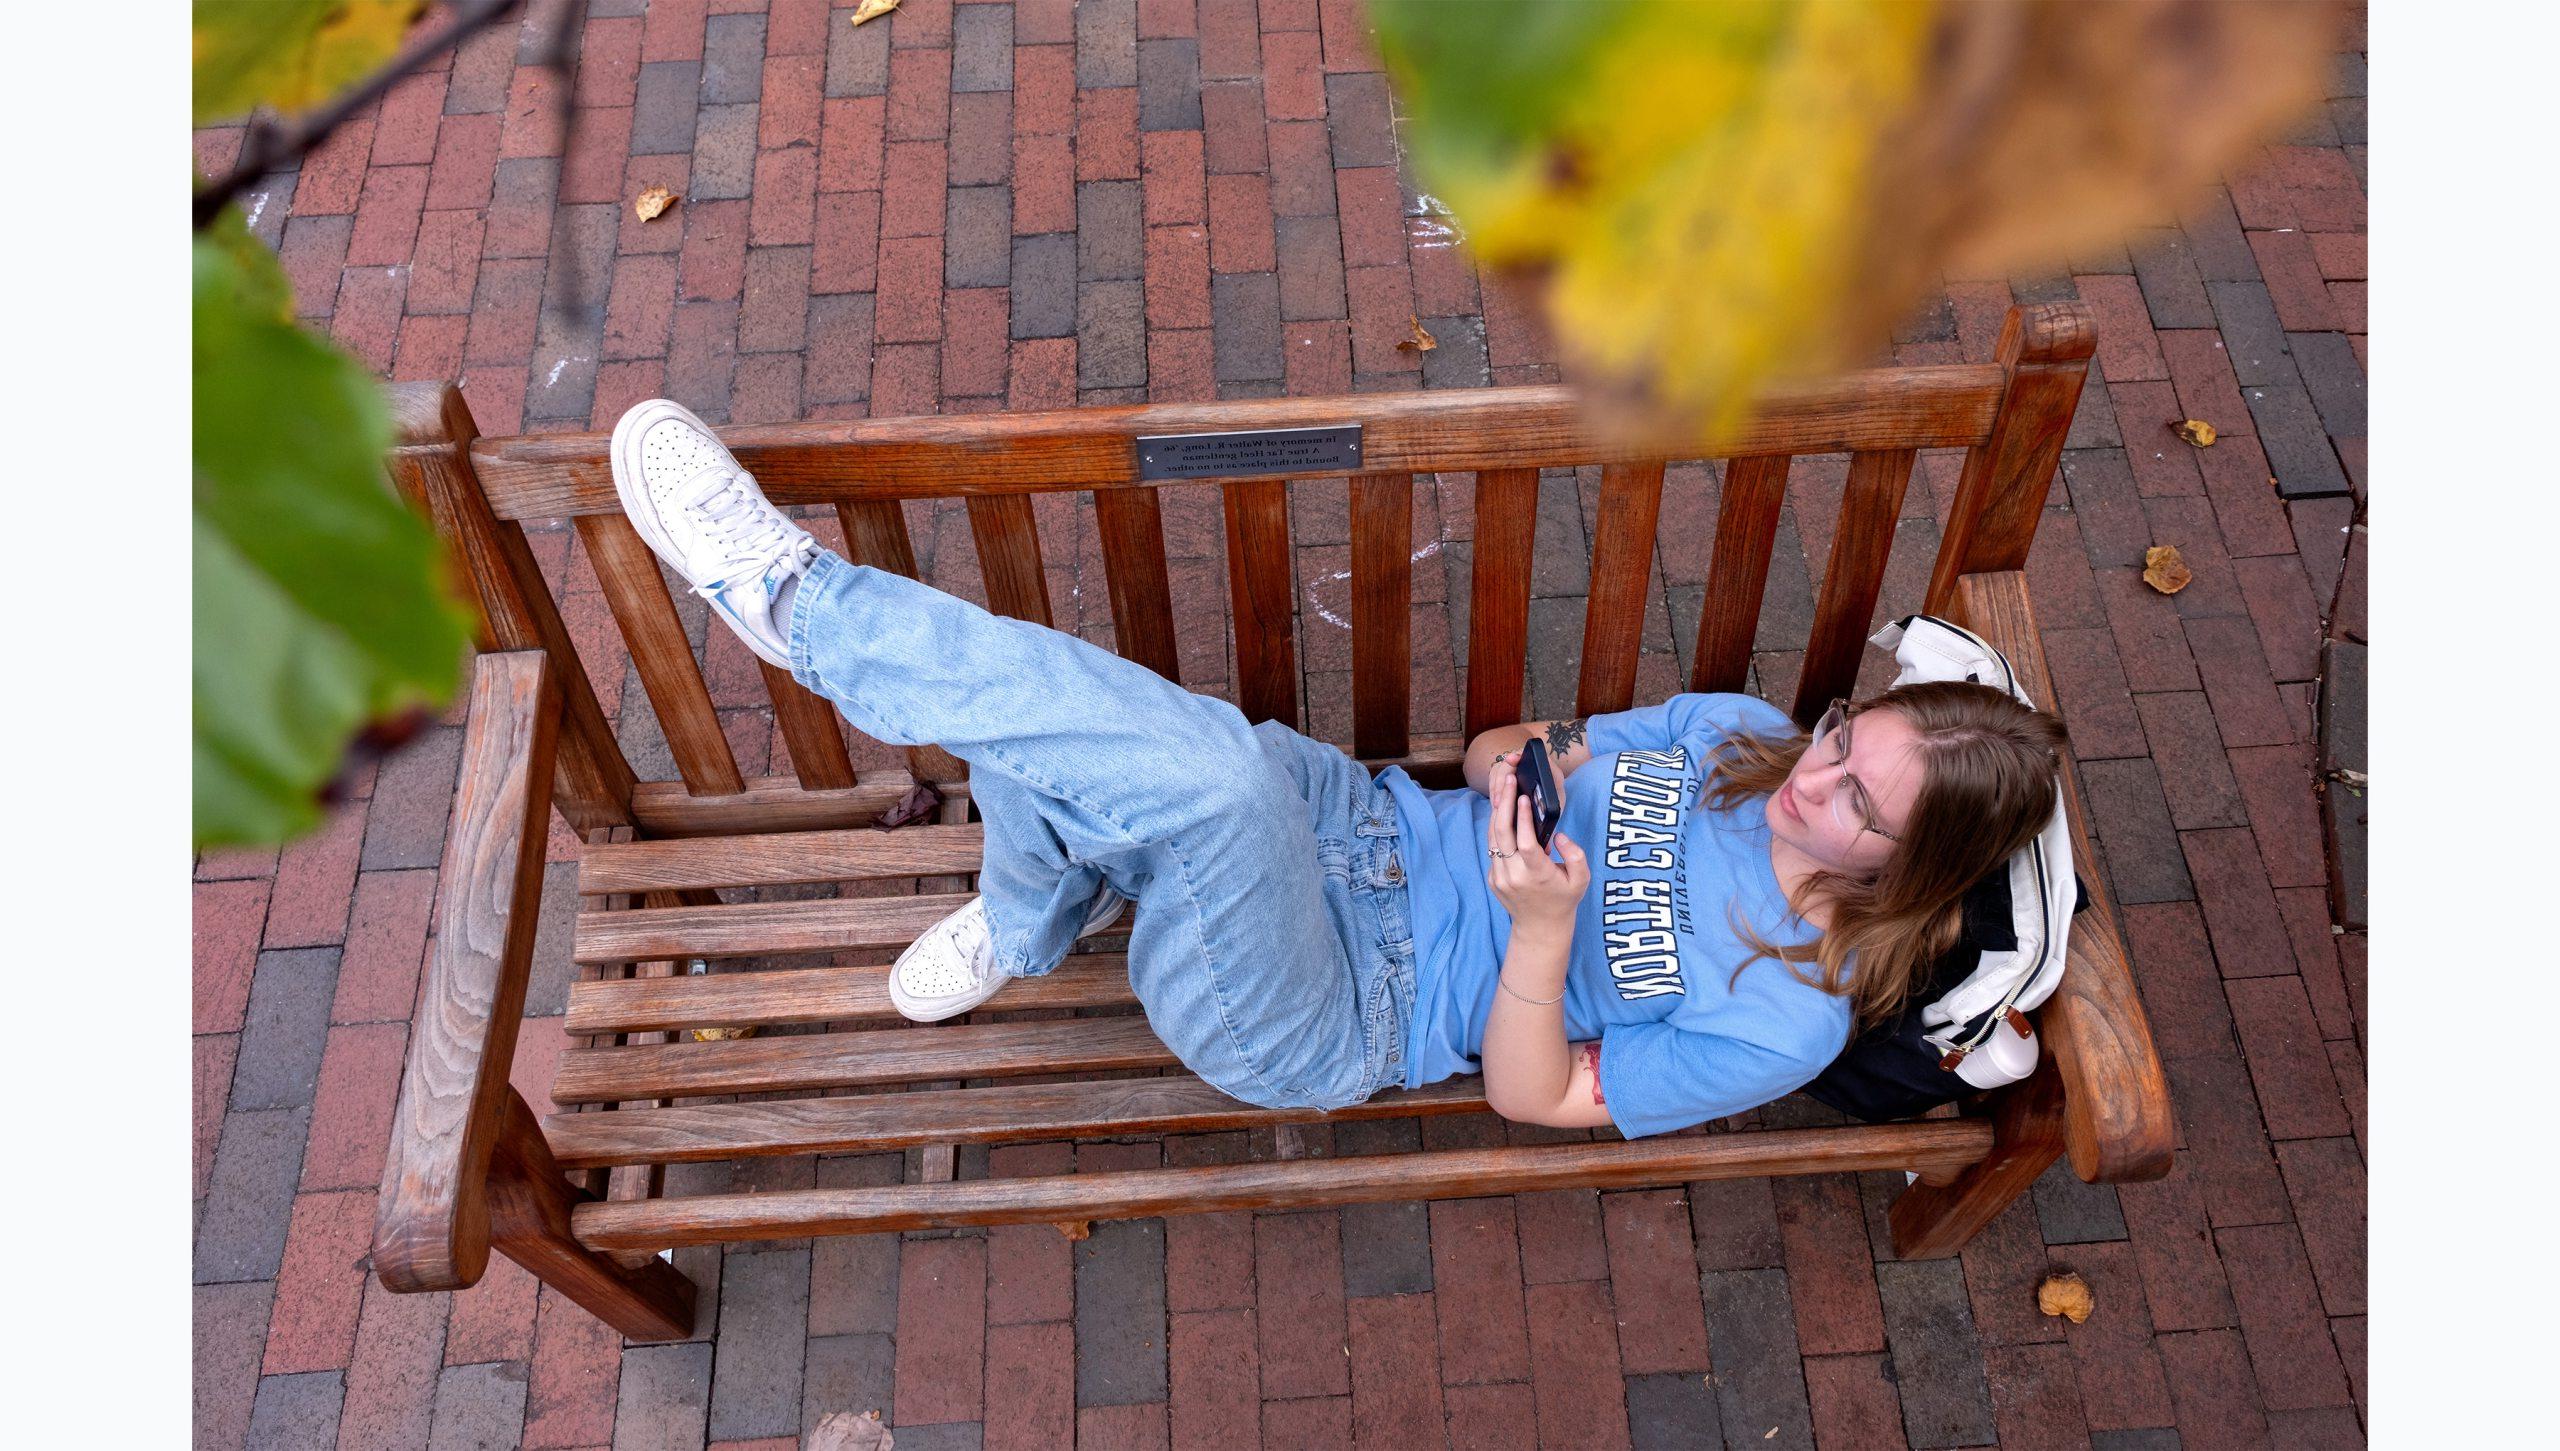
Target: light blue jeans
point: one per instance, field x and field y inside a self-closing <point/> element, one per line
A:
<point x="1272" y="947"/>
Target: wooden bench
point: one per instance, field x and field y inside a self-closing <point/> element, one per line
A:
<point x="577" y="1196"/>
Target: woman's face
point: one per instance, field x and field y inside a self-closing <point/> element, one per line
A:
<point x="1832" y="799"/>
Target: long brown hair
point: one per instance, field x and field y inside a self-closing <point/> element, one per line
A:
<point x="1987" y="785"/>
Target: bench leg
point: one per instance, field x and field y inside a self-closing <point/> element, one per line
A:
<point x="1934" y="1219"/>
<point x="529" y="1204"/>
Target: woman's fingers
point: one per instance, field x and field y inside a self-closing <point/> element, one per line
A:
<point x="1498" y="830"/>
<point x="1577" y="867"/>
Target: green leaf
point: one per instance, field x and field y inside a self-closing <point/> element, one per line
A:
<point x="290" y="54"/>
<point x="321" y="601"/>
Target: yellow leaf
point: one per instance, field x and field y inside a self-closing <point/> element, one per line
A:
<point x="872" y="10"/>
<point x="653" y="203"/>
<point x="2195" y="431"/>
<point x="2066" y="1294"/>
<point x="2165" y="570"/>
<point x="1712" y="200"/>
<point x="722" y="1035"/>
<point x="1421" y="341"/>
<point x="290" y="54"/>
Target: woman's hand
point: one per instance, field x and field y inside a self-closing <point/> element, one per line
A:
<point x="1540" y="893"/>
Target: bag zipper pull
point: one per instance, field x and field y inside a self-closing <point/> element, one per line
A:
<point x="2018" y="1021"/>
<point x="1954" y="1057"/>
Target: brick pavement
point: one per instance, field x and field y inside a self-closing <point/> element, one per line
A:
<point x="980" y="206"/>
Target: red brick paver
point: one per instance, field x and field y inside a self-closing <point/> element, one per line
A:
<point x="986" y="205"/>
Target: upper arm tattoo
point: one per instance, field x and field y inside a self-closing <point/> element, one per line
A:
<point x="1591" y="1055"/>
<point x="1564" y="735"/>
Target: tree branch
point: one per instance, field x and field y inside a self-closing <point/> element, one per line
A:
<point x="271" y="143"/>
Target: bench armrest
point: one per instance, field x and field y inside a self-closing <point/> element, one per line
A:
<point x="431" y="1231"/>
<point x="2115" y="1099"/>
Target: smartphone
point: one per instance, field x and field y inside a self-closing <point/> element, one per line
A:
<point x="1537" y="779"/>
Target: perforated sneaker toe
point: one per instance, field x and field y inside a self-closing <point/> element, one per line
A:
<point x="952" y="967"/>
<point x="701" y="511"/>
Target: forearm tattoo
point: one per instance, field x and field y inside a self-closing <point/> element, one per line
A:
<point x="1564" y="735"/>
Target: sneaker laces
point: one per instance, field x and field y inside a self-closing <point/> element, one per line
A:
<point x="751" y="534"/>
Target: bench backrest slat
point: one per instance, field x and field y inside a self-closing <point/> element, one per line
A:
<point x="1870" y="508"/>
<point x="875" y="533"/>
<point x="1008" y="543"/>
<point x="1621" y="576"/>
<point x="1262" y="583"/>
<point x="1746" y="532"/>
<point x="809" y="731"/>
<point x="1131" y="524"/>
<point x="559" y="475"/>
<point x="636" y="591"/>
<point x="1506" y="532"/>
<point x="2009" y="416"/>
<point x="1381" y="613"/>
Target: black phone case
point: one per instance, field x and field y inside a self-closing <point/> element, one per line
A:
<point x="1538" y="783"/>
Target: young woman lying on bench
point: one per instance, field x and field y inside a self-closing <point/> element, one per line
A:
<point x="1311" y="935"/>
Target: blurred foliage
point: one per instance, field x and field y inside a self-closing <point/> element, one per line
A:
<point x="322" y="605"/>
<point x="289" y="54"/>
<point x="1714" y="196"/>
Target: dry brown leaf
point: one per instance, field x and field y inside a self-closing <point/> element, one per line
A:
<point x="872" y="10"/>
<point x="845" y="1431"/>
<point x="2066" y="1294"/>
<point x="2165" y="570"/>
<point x="653" y="203"/>
<point x="1421" y="341"/>
<point x="2195" y="431"/>
<point x="722" y="1035"/>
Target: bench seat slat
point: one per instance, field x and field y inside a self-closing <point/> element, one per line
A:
<point x="840" y="1060"/>
<point x="780" y="858"/>
<point x="1002" y="1113"/>
<point x="750" y="929"/>
<point x="1936" y="1146"/>
<point x="771" y="803"/>
<point x="818" y="995"/>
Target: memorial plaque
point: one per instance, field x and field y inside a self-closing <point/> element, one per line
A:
<point x="1253" y="454"/>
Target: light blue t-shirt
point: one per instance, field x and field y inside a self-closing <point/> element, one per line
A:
<point x="1653" y="947"/>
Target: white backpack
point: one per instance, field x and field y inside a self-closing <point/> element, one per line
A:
<point x="1980" y="1024"/>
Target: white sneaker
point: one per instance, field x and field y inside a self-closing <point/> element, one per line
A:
<point x="952" y="967"/>
<point x="703" y="514"/>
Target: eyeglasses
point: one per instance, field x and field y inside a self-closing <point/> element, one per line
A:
<point x="1852" y="809"/>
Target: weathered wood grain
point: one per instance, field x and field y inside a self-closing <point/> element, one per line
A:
<point x="431" y="1225"/>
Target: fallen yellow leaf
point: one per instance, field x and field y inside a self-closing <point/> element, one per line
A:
<point x="2067" y="1295"/>
<point x="2195" y="431"/>
<point x="2165" y="570"/>
<point x="872" y="10"/>
<point x="722" y="1035"/>
<point x="1421" y="341"/>
<point x="651" y="204"/>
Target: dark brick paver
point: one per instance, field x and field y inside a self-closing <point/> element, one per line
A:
<point x="973" y="206"/>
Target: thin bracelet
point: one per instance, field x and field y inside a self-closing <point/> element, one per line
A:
<point x="1541" y="1002"/>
